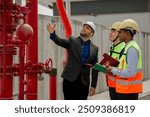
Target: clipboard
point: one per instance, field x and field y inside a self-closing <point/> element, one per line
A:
<point x="112" y="62"/>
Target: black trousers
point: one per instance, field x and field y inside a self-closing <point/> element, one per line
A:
<point x="119" y="96"/>
<point x="75" y="90"/>
<point x="112" y="93"/>
<point x="132" y="96"/>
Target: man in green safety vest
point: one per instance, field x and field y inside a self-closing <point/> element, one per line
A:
<point x="115" y="53"/>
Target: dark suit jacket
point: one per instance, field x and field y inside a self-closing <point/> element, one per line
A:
<point x="74" y="66"/>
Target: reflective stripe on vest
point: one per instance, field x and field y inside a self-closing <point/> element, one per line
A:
<point x="115" y="53"/>
<point x="111" y="81"/>
<point x="131" y="84"/>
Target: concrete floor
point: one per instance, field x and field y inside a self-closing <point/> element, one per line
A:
<point x="147" y="97"/>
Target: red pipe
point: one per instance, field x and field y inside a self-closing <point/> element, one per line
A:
<point x="6" y="88"/>
<point x="64" y="17"/>
<point x="32" y="51"/>
<point x="3" y="49"/>
<point x="21" y="72"/>
<point x="52" y="83"/>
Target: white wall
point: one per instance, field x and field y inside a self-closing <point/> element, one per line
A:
<point x="107" y="19"/>
<point x="42" y="10"/>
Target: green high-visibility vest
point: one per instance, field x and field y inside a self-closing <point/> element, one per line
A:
<point x="115" y="52"/>
<point x="116" y="49"/>
<point x="124" y="57"/>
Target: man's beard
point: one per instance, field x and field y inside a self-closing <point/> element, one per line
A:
<point x="84" y="35"/>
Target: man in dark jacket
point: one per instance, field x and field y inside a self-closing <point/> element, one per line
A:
<point x="82" y="54"/>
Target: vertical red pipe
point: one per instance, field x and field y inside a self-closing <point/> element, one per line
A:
<point x="32" y="51"/>
<point x="21" y="73"/>
<point x="6" y="87"/>
<point x="3" y="49"/>
<point x="52" y="84"/>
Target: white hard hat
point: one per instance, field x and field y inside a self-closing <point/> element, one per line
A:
<point x="91" y="24"/>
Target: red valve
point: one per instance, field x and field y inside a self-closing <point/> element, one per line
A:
<point x="48" y="64"/>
